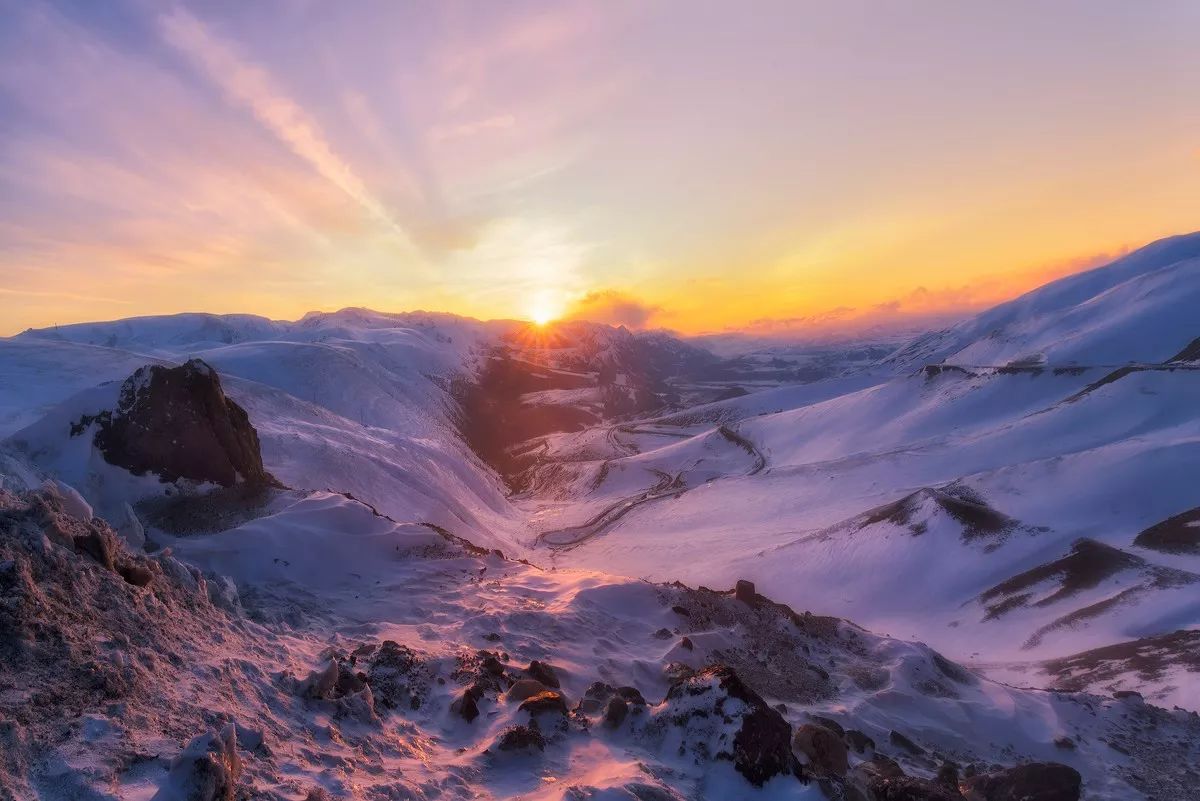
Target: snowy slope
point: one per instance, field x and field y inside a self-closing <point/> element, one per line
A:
<point x="1049" y="461"/>
<point x="1140" y="308"/>
<point x="353" y="401"/>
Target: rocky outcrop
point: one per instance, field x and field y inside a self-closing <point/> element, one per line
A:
<point x="723" y="717"/>
<point x="175" y="422"/>
<point x="1035" y="781"/>
<point x="824" y="748"/>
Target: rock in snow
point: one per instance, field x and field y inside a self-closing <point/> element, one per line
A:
<point x="207" y="770"/>
<point x="176" y="422"/>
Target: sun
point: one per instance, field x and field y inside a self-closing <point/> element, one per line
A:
<point x="544" y="309"/>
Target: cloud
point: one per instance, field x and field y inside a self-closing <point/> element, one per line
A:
<point x="253" y="88"/>
<point x="613" y="307"/>
<point x="923" y="307"/>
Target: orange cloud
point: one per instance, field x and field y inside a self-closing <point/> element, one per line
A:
<point x="613" y="307"/>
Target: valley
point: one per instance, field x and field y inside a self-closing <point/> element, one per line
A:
<point x="976" y="550"/>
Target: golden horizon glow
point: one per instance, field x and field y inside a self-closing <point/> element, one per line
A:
<point x="675" y="165"/>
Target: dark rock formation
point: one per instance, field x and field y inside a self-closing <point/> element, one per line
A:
<point x="826" y="751"/>
<point x="744" y="591"/>
<point x="860" y="742"/>
<point x="399" y="676"/>
<point x="761" y="747"/>
<point x="466" y="706"/>
<point x="543" y="673"/>
<point x="616" y="712"/>
<point x="1036" y="781"/>
<point x="176" y="422"/>
<point x="521" y="738"/>
<point x="546" y="702"/>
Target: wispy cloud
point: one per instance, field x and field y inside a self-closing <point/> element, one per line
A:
<point x="33" y="293"/>
<point x="615" y="308"/>
<point x="253" y="88"/>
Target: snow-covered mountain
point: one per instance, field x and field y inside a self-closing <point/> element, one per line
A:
<point x="373" y="555"/>
<point x="1140" y="308"/>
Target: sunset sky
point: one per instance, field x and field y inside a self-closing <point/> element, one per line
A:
<point x="699" y="166"/>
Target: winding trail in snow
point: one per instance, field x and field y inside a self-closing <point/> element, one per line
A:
<point x="667" y="486"/>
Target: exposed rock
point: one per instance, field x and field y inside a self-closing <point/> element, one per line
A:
<point x="543" y="673"/>
<point x="595" y="698"/>
<point x="207" y="770"/>
<point x="525" y="688"/>
<point x="466" y="706"/>
<point x="1036" y="781"/>
<point x="616" y="712"/>
<point x="910" y="788"/>
<point x="948" y="775"/>
<point x="859" y="741"/>
<point x="744" y="591"/>
<point x="398" y="676"/>
<point x="830" y="724"/>
<point x="686" y="642"/>
<point x="492" y="665"/>
<point x="545" y="702"/>
<point x="521" y="738"/>
<point x="632" y="694"/>
<point x="176" y="422"/>
<point x="760" y="745"/>
<point x="826" y="752"/>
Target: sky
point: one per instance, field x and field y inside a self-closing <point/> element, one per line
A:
<point x="777" y="166"/>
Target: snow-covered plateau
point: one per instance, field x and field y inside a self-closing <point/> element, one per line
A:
<point x="415" y="556"/>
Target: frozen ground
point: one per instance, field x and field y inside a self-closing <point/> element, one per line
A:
<point x="1015" y="492"/>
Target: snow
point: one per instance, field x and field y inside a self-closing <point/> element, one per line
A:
<point x="1140" y="308"/>
<point x="898" y="497"/>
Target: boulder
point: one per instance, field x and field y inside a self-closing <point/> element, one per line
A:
<point x="544" y="673"/>
<point x="175" y="422"/>
<point x="826" y="751"/>
<point x="1035" y="781"/>
<point x="616" y="712"/>
<point x="595" y="698"/>
<point x="860" y="742"/>
<point x="744" y="591"/>
<point x="523" y="689"/>
<point x="521" y="738"/>
<point x="632" y="694"/>
<point x="545" y="702"/>
<point x="207" y="770"/>
<point x="829" y="723"/>
<point x="466" y="706"/>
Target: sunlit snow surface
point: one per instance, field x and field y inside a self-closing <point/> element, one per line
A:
<point x="942" y="506"/>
